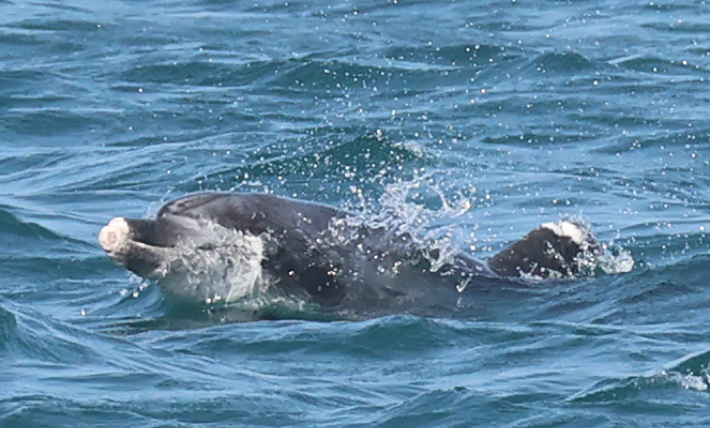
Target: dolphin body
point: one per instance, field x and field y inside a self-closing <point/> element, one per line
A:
<point x="224" y="247"/>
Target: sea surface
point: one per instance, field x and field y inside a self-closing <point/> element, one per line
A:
<point x="474" y="120"/>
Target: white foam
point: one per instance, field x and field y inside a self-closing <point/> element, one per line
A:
<point x="567" y="229"/>
<point x="592" y="257"/>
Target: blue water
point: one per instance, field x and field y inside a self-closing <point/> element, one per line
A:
<point x="478" y="120"/>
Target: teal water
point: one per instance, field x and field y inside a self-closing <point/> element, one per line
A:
<point x="477" y="120"/>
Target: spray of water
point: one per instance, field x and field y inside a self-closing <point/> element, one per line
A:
<point x="415" y="212"/>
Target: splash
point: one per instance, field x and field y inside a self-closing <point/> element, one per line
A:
<point x="615" y="260"/>
<point x="420" y="212"/>
<point x="595" y="257"/>
<point x="690" y="381"/>
<point x="428" y="211"/>
<point x="605" y="257"/>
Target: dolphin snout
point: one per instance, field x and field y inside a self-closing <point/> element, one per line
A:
<point x="113" y="234"/>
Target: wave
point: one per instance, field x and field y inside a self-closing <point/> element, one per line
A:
<point x="8" y="328"/>
<point x="202" y="72"/>
<point x="35" y="336"/>
<point x="532" y="139"/>
<point x="11" y="225"/>
<point x="689" y="373"/>
<point x="452" y="55"/>
<point x="50" y="121"/>
<point x="647" y="295"/>
<point x="395" y="71"/>
<point x="405" y="335"/>
<point x="40" y="244"/>
<point x="371" y="157"/>
<point x="651" y="65"/>
<point x="557" y="64"/>
<point x="58" y="24"/>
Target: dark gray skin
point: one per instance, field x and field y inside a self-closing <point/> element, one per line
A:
<point x="372" y="271"/>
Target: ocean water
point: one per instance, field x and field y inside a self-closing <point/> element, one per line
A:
<point x="476" y="120"/>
